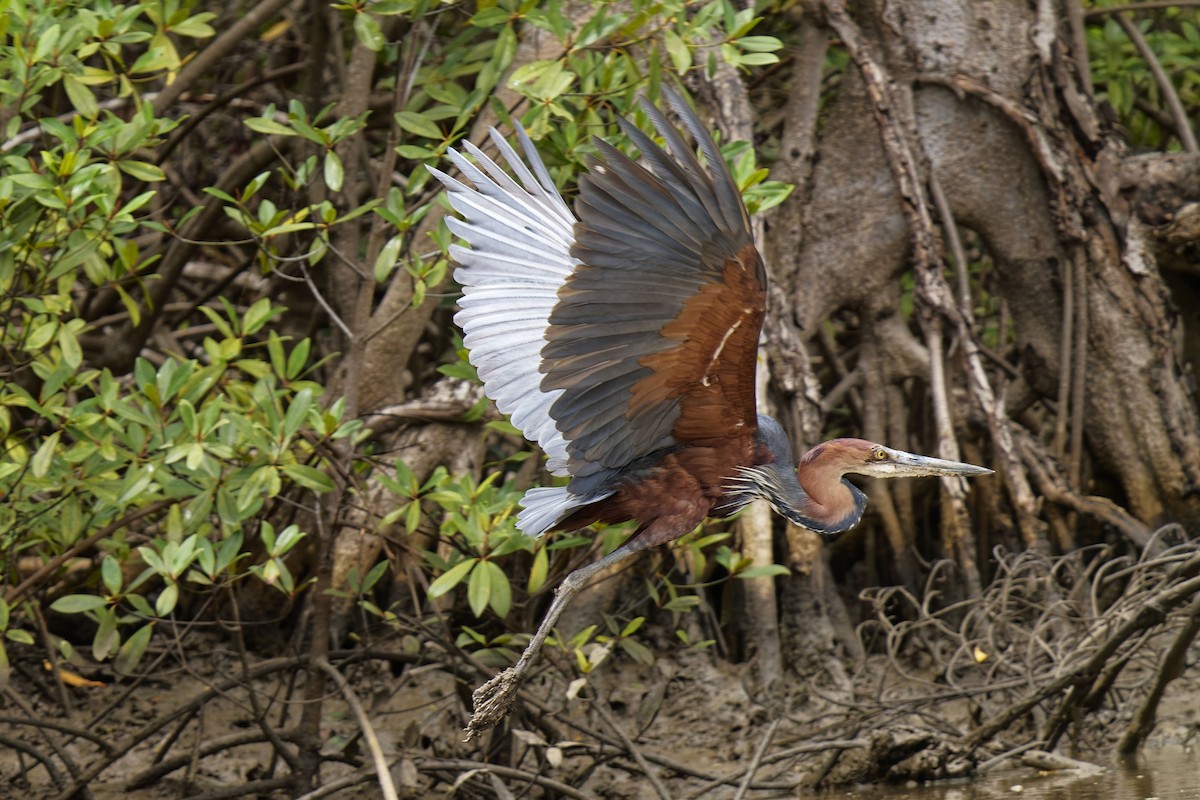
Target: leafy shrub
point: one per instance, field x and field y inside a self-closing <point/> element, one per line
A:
<point x="162" y="480"/>
<point x="197" y="448"/>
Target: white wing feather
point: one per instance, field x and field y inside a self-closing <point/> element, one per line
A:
<point x="519" y="255"/>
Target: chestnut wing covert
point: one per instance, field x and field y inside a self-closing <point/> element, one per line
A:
<point x="654" y="337"/>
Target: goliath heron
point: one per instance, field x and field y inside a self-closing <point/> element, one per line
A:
<point x="622" y="339"/>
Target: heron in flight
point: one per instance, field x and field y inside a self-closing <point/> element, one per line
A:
<point x="621" y="338"/>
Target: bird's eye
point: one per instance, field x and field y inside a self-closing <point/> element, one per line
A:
<point x="879" y="455"/>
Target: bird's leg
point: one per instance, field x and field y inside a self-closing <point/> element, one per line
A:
<point x="494" y="698"/>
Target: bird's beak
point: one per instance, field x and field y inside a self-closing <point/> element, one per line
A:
<point x="911" y="465"/>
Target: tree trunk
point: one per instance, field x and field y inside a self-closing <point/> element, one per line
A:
<point x="988" y="97"/>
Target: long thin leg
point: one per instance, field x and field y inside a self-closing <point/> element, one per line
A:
<point x="494" y="698"/>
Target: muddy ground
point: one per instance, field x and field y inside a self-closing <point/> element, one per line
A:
<point x="689" y="720"/>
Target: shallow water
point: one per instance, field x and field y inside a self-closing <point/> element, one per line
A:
<point x="1156" y="775"/>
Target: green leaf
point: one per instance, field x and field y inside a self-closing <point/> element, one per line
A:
<point x="759" y="44"/>
<point x="288" y="538"/>
<point x="491" y="17"/>
<point x="41" y="335"/>
<point x="46" y="43"/>
<point x="268" y="126"/>
<point x="366" y="29"/>
<point x="544" y="80"/>
<point x="257" y="315"/>
<point x="374" y="575"/>
<point x="160" y="55"/>
<point x="137" y="202"/>
<point x="78" y="603"/>
<point x="757" y="59"/>
<point x="19" y="636"/>
<point x="289" y="227"/>
<point x="45" y="455"/>
<point x="167" y="599"/>
<point x="228" y="551"/>
<point x="142" y="170"/>
<point x="764" y="571"/>
<point x="479" y="588"/>
<point x="501" y="599"/>
<point x="333" y="169"/>
<point x="528" y="74"/>
<point x="385" y="262"/>
<point x="310" y="478"/>
<point x="677" y="49"/>
<point x="417" y="124"/>
<point x="81" y="96"/>
<point x="297" y="412"/>
<point x="637" y="651"/>
<point x="131" y="652"/>
<point x="110" y="573"/>
<point x="450" y="578"/>
<point x="414" y="152"/>
<point x="107" y="639"/>
<point x="539" y="570"/>
<point x="138" y="481"/>
<point x="298" y="358"/>
<point x="196" y="27"/>
<point x="71" y="352"/>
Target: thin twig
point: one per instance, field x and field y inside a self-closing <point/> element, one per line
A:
<point x="22" y="590"/>
<point x="1148" y="614"/>
<point x="1079" y="49"/>
<point x="981" y="387"/>
<point x="246" y="23"/>
<point x="52" y="658"/>
<point x="1066" y="349"/>
<point x="1079" y="370"/>
<point x="237" y="92"/>
<point x="50" y="739"/>
<point x="320" y="298"/>
<point x="36" y="722"/>
<point x="207" y="747"/>
<point x="462" y="764"/>
<point x="261" y="788"/>
<point x="601" y="706"/>
<point x="1183" y="126"/>
<point x="1171" y="667"/>
<point x="1149" y="5"/>
<point x="260" y="714"/>
<point x="756" y="762"/>
<point x="984" y="767"/>
<point x="45" y="760"/>
<point x="364" y="723"/>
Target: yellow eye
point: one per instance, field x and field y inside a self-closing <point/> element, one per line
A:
<point x="880" y="455"/>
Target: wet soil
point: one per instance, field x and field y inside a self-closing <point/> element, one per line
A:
<point x="690" y="716"/>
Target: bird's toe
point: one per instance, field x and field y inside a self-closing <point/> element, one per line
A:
<point x="492" y="701"/>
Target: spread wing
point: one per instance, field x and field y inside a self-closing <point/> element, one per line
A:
<point x="652" y="342"/>
<point x="627" y="332"/>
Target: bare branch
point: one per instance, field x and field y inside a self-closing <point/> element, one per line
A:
<point x="1183" y="126"/>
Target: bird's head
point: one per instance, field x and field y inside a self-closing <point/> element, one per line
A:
<point x="815" y="494"/>
<point x="860" y="457"/>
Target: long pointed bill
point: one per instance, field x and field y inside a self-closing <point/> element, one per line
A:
<point x="910" y="465"/>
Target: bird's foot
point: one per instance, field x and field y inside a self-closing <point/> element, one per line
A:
<point x="493" y="700"/>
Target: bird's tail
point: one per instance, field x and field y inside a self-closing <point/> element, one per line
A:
<point x="546" y="506"/>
